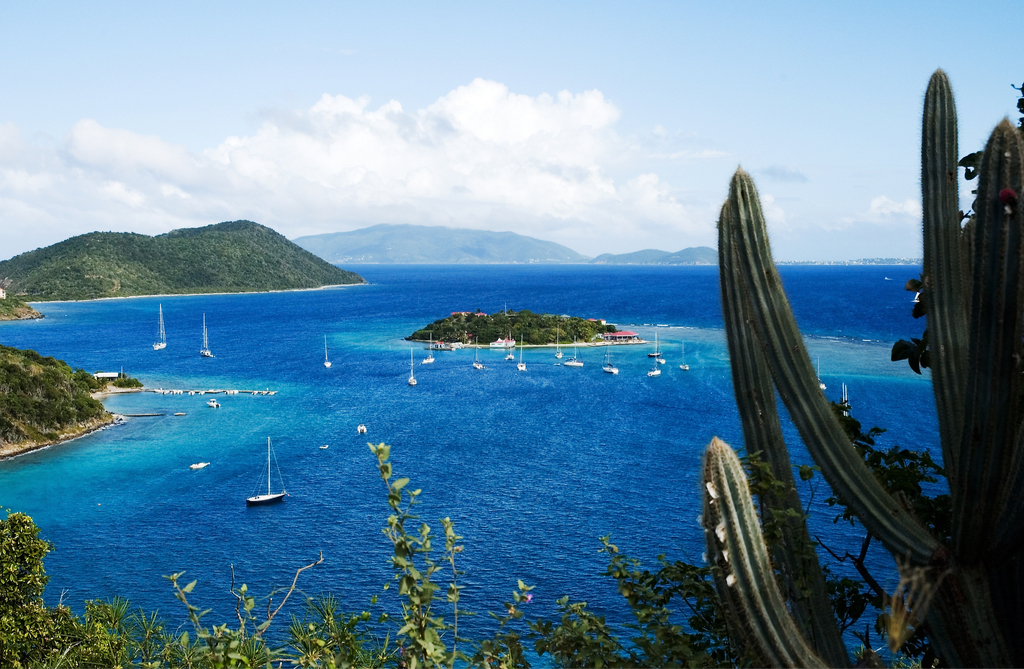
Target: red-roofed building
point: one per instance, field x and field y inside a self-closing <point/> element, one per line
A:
<point x="625" y="335"/>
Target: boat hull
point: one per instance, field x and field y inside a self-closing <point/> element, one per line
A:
<point x="262" y="500"/>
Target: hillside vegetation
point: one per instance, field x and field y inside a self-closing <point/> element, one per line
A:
<point x="411" y="244"/>
<point x="525" y="326"/>
<point x="42" y="397"/>
<point x="238" y="256"/>
<point x="13" y="309"/>
<point x="698" y="255"/>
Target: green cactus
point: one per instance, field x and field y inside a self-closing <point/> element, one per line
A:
<point x="974" y="276"/>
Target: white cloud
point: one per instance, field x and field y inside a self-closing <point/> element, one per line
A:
<point x="883" y="207"/>
<point x="773" y="213"/>
<point x="480" y="156"/>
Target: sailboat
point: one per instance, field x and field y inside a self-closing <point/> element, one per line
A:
<point x="270" y="497"/>
<point x="327" y="363"/>
<point x="205" y="350"/>
<point x="163" y="337"/>
<point x="574" y="361"/>
<point x="476" y="361"/>
<point x="558" y="349"/>
<point x="657" y="352"/>
<point x="412" y="366"/>
<point x="608" y="366"/>
<point x="820" y="384"/>
<point x="522" y="365"/>
<point x="430" y="352"/>
<point x="511" y="355"/>
<point x="683" y="366"/>
<point x="655" y="371"/>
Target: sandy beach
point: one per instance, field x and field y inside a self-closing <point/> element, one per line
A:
<point x="8" y="451"/>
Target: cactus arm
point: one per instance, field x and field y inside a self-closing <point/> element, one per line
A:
<point x="736" y="546"/>
<point x="796" y="382"/>
<point x="762" y="432"/>
<point x="986" y="450"/>
<point x="943" y="271"/>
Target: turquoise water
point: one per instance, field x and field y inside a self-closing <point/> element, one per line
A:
<point x="532" y="466"/>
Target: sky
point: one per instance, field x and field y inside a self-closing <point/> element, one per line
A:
<point x="606" y="127"/>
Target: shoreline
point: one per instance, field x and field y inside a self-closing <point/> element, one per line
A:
<point x="11" y="451"/>
<point x="240" y="292"/>
<point x="564" y="346"/>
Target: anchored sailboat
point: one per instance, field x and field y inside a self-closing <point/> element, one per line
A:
<point x="205" y="350"/>
<point x="683" y="366"/>
<point x="270" y="497"/>
<point x="412" y="366"/>
<point x="430" y="352"/>
<point x="558" y="349"/>
<point x="608" y="366"/>
<point x="574" y="361"/>
<point x="163" y="337"/>
<point x="476" y="361"/>
<point x="522" y="365"/>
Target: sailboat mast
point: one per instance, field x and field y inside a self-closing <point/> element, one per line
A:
<point x="268" y="465"/>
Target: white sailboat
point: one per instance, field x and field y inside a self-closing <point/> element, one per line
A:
<point x="205" y="350"/>
<point x="657" y="351"/>
<point x="558" y="349"/>
<point x="608" y="366"/>
<point x="476" y="361"/>
<point x="270" y="497"/>
<point x="522" y="365"/>
<point x="820" y="384"/>
<point x="430" y="352"/>
<point x="683" y="366"/>
<point x="327" y="363"/>
<point x="574" y="361"/>
<point x="412" y="366"/>
<point x="655" y="371"/>
<point x="163" y="337"/>
<point x="511" y="355"/>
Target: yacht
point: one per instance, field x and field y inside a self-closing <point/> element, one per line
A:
<point x="412" y="366"/>
<point x="574" y="361"/>
<point x="608" y="366"/>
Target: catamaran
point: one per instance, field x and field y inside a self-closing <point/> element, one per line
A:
<point x="205" y="350"/>
<point x="574" y="361"/>
<point x="412" y="366"/>
<point x="327" y="363"/>
<point x="270" y="497"/>
<point x="522" y="365"/>
<point x="163" y="337"/>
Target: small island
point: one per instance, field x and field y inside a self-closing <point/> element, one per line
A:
<point x="527" y="328"/>
<point x="15" y="309"/>
<point x="46" y="401"/>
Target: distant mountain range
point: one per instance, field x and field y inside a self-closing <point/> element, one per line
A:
<point x="408" y="244"/>
<point x="699" y="255"/>
<point x="232" y="257"/>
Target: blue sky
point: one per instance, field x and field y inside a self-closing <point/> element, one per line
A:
<point x="607" y="127"/>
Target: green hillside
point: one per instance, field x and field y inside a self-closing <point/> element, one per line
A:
<point x="43" y="397"/>
<point x="13" y="309"/>
<point x="233" y="257"/>
<point x="698" y="255"/>
<point x="409" y="244"/>
<point x="524" y="326"/>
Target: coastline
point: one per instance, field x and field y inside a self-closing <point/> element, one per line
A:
<point x="240" y="292"/>
<point x="10" y="451"/>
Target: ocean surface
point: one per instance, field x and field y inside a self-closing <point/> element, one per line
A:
<point x="533" y="467"/>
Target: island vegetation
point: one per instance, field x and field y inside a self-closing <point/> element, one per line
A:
<point x="13" y="309"/>
<point x="476" y="327"/>
<point x="43" y="400"/>
<point x="233" y="257"/>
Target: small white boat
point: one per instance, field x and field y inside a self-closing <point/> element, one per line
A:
<point x="163" y="337"/>
<point x="327" y="363"/>
<point x="820" y="384"/>
<point x="361" y="429"/>
<point x="608" y="366"/>
<point x="205" y="350"/>
<point x="213" y="404"/>
<point x="522" y="365"/>
<point x="180" y="413"/>
<point x="574" y="361"/>
<point x="198" y="465"/>
<point x="324" y="447"/>
<point x="430" y="356"/>
<point x="412" y="366"/>
<point x="683" y="366"/>
<point x="270" y="497"/>
<point x="476" y="361"/>
<point x="655" y="371"/>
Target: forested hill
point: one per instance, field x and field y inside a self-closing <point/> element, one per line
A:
<point x="524" y="326"/>
<point x="405" y="244"/>
<point x="695" y="255"/>
<point x="43" y="398"/>
<point x="233" y="257"/>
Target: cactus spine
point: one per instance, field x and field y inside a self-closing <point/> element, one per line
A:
<point x="975" y="280"/>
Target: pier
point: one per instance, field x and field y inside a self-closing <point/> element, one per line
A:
<point x="166" y="391"/>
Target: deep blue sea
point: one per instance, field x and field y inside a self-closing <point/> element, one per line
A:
<point x="531" y="466"/>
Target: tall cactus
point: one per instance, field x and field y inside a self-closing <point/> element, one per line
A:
<point x="975" y="279"/>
